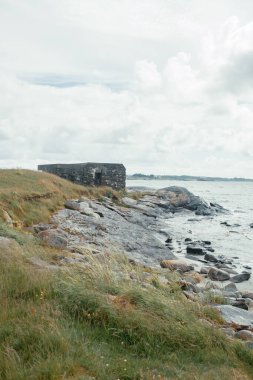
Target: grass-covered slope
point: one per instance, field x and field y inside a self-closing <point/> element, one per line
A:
<point x="104" y="321"/>
<point x="91" y="323"/>
<point x="31" y="196"/>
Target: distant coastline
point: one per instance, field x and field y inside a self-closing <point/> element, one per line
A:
<point x="139" y="176"/>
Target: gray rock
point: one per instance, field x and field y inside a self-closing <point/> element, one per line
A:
<point x="241" y="303"/>
<point x="72" y="205"/>
<point x="204" y="270"/>
<point x="239" y="317"/>
<point x="231" y="287"/>
<point x="248" y="295"/>
<point x="175" y="197"/>
<point x="89" y="212"/>
<point x="210" y="257"/>
<point x="125" y="230"/>
<point x="218" y="275"/>
<point x="54" y="237"/>
<point x="194" y="250"/>
<point x="42" y="227"/>
<point x="129" y="201"/>
<point x="244" y="335"/>
<point x="240" y="277"/>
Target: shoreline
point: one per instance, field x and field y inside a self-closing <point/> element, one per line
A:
<point x="137" y="228"/>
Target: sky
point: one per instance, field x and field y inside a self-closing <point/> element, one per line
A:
<point x="162" y="86"/>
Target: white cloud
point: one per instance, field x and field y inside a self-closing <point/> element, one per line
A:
<point x="145" y="99"/>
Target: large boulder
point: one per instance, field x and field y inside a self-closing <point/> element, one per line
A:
<point x="240" y="277"/>
<point x="175" y="197"/>
<point x="210" y="257"/>
<point x="238" y="317"/>
<point x="195" y="250"/>
<point x="218" y="274"/>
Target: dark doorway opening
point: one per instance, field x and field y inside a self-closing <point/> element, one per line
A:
<point x="98" y="178"/>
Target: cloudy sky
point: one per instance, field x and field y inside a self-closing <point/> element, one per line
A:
<point x="163" y="86"/>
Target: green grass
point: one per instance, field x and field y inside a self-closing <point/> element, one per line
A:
<point x="96" y="322"/>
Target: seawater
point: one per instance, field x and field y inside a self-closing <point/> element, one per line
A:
<point x="237" y="198"/>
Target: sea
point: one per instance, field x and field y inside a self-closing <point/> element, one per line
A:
<point x="234" y="240"/>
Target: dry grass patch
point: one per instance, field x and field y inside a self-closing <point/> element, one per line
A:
<point x="31" y="196"/>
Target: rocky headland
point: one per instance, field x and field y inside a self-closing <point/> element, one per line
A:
<point x="135" y="226"/>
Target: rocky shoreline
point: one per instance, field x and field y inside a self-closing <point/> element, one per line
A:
<point x="137" y="228"/>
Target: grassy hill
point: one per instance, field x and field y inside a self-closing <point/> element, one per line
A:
<point x="31" y="196"/>
<point x="104" y="321"/>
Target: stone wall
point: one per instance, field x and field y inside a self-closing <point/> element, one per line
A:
<point x="97" y="174"/>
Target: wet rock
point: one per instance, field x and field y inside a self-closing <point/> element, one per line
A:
<point x="195" y="250"/>
<point x="218" y="275"/>
<point x="54" y="237"/>
<point x="225" y="224"/>
<point x="240" y="277"/>
<point x="241" y="303"/>
<point x="168" y="240"/>
<point x="176" y="265"/>
<point x="251" y="225"/>
<point x="210" y="249"/>
<point x="244" y="335"/>
<point x="248" y="295"/>
<point x="210" y="257"/>
<point x="238" y="317"/>
<point x="175" y="197"/>
<point x="207" y="242"/>
<point x="187" y="239"/>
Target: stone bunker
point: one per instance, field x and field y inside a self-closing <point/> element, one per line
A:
<point x="90" y="173"/>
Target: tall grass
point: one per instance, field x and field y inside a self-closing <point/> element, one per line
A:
<point x="30" y="196"/>
<point x="95" y="322"/>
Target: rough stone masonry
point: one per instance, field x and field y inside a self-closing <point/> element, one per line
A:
<point x="90" y="173"/>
